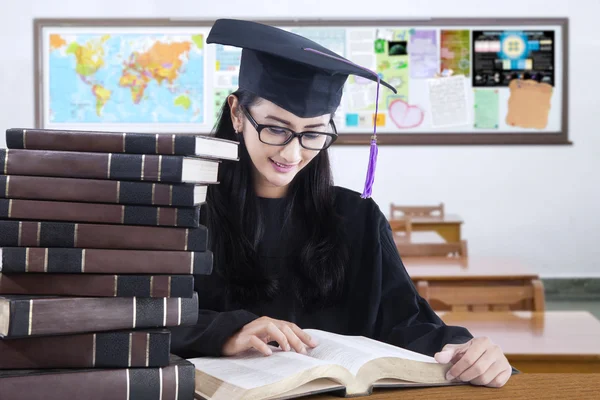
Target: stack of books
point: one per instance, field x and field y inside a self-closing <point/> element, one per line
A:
<point x="100" y="237"/>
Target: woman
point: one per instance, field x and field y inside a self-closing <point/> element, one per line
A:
<point x="292" y="251"/>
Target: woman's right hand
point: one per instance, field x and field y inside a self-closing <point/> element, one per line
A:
<point x="263" y="330"/>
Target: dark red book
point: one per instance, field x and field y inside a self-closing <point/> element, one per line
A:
<point x="115" y="166"/>
<point x="120" y="142"/>
<point x="118" y="349"/>
<point x="102" y="191"/>
<point x="23" y="316"/>
<point x="101" y="236"/>
<point x="88" y="285"/>
<point x="174" y="382"/>
<point x="56" y="260"/>
<point x="41" y="210"/>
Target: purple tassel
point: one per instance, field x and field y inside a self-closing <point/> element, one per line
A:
<point x="371" y="169"/>
<point x="368" y="189"/>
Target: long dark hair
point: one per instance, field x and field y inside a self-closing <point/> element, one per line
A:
<point x="235" y="226"/>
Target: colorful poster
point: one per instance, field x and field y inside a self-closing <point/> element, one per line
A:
<point x="448" y="101"/>
<point x="391" y="57"/>
<point x="423" y="53"/>
<point x="455" y="48"/>
<point x="332" y="38"/>
<point x="486" y="107"/>
<point x="142" y="79"/>
<point x="219" y="97"/>
<point x="392" y="63"/>
<point x="228" y="58"/>
<point x="501" y="56"/>
<point x="359" y="93"/>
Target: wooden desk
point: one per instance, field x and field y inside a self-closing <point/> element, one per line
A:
<point x="479" y="279"/>
<point x="448" y="226"/>
<point x="552" y="341"/>
<point x="418" y="237"/>
<point x="467" y="268"/>
<point x="519" y="387"/>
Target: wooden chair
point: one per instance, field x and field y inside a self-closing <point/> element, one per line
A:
<point x="483" y="297"/>
<point x="417" y="211"/>
<point x="401" y="225"/>
<point x="449" y="249"/>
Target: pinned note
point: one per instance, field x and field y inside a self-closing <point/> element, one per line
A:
<point x="529" y="104"/>
<point x="448" y="101"/>
<point x="486" y="107"/>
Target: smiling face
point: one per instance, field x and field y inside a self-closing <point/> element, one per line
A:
<point x="276" y="166"/>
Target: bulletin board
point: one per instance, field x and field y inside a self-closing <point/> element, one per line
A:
<point x="458" y="81"/>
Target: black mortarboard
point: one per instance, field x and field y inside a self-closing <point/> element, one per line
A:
<point x="296" y="73"/>
<point x="276" y="66"/>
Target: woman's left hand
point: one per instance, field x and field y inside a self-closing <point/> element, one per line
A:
<point x="479" y="362"/>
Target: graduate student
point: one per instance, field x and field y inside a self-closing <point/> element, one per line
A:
<point x="291" y="250"/>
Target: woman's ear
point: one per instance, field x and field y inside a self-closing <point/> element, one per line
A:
<point x="237" y="122"/>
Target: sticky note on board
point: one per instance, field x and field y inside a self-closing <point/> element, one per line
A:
<point x="380" y="119"/>
<point x="352" y="119"/>
<point x="486" y="106"/>
<point x="529" y="104"/>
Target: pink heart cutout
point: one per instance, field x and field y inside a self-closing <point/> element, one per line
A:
<point x="405" y="115"/>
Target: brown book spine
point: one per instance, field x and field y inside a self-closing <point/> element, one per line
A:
<point x="122" y="349"/>
<point x="98" y="285"/>
<point x="104" y="261"/>
<point x="97" y="190"/>
<point x="174" y="382"/>
<point x="71" y="164"/>
<point x="99" y="213"/>
<point x="101" y="236"/>
<point x="41" y="316"/>
<point x="104" y="142"/>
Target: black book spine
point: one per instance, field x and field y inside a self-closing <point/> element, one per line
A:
<point x="103" y="142"/>
<point x="35" y="316"/>
<point x="173" y="382"/>
<point x="14" y="233"/>
<point x="56" y="260"/>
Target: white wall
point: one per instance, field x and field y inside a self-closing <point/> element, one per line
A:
<point x="541" y="204"/>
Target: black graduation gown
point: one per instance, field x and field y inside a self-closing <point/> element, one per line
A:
<point x="381" y="302"/>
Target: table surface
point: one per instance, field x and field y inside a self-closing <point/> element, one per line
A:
<point x="418" y="237"/>
<point x="519" y="387"/>
<point x="551" y="335"/>
<point x="467" y="268"/>
<point x="435" y="219"/>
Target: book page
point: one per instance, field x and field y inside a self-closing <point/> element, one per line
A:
<point x="251" y="369"/>
<point x="352" y="352"/>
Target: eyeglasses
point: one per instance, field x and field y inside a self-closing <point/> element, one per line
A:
<point x="280" y="136"/>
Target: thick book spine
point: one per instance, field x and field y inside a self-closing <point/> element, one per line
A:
<point x="120" y="349"/>
<point x="174" y="382"/>
<point x="99" y="213"/>
<point x="101" y="236"/>
<point x="104" y="261"/>
<point x="103" y="142"/>
<point x="114" y="166"/>
<point x="97" y="191"/>
<point x="98" y="285"/>
<point x="39" y="316"/>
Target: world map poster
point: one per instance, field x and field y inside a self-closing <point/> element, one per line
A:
<point x="126" y="78"/>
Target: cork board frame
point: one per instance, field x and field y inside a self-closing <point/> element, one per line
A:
<point x="398" y="137"/>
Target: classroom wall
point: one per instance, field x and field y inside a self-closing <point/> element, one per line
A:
<point x="541" y="204"/>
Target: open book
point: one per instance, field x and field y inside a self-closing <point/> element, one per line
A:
<point x="350" y="365"/>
